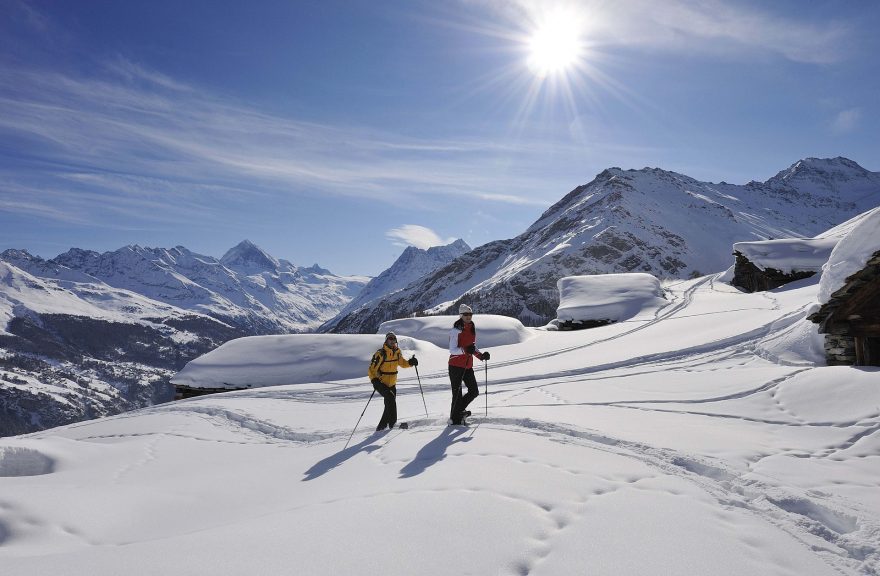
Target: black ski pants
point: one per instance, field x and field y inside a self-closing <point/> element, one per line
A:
<point x="389" y="415"/>
<point x="457" y="375"/>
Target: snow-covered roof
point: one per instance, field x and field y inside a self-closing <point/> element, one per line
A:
<point x="850" y="254"/>
<point x="789" y="254"/>
<point x="492" y="330"/>
<point x="612" y="297"/>
<point x="257" y="361"/>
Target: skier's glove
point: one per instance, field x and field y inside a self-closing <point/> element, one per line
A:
<point x="375" y="381"/>
<point x="413" y="361"/>
<point x="485" y="355"/>
<point x="470" y="349"/>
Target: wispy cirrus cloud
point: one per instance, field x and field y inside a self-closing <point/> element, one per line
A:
<point x="415" y="235"/>
<point x="694" y="26"/>
<point x="846" y="121"/>
<point x="137" y="131"/>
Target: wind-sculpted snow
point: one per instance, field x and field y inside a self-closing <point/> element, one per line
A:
<point x="695" y="440"/>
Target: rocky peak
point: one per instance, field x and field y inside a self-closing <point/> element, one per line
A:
<point x="14" y="255"/>
<point x="826" y="174"/>
<point x="247" y="255"/>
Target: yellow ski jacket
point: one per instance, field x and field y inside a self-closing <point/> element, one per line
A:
<point x="384" y="365"/>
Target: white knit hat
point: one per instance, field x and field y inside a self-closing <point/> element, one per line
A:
<point x="465" y="309"/>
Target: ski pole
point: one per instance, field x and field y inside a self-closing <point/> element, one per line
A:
<point x="486" y="394"/>
<point x="422" y="391"/>
<point x="359" y="419"/>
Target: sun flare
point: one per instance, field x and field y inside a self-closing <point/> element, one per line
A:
<point x="555" y="46"/>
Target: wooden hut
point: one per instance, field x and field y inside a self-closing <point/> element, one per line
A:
<point x="182" y="391"/>
<point x="768" y="264"/>
<point x="850" y="319"/>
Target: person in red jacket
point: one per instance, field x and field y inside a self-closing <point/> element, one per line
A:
<point x="462" y="349"/>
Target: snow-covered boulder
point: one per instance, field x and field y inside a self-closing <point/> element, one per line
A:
<point x="607" y="297"/>
<point x="492" y="329"/>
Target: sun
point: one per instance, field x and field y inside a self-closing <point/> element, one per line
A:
<point x="556" y="45"/>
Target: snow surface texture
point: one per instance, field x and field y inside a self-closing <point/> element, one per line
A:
<point x="700" y="441"/>
<point x="613" y="297"/>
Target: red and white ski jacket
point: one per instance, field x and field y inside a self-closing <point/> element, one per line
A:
<point x="461" y="336"/>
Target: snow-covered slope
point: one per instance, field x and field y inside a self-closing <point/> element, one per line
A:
<point x="76" y="348"/>
<point x="246" y="287"/>
<point x="703" y="440"/>
<point x="86" y="334"/>
<point x="649" y="220"/>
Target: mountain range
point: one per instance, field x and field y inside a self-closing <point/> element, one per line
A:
<point x="648" y="220"/>
<point x="87" y="334"/>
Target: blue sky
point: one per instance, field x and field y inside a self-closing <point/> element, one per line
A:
<point x="339" y="131"/>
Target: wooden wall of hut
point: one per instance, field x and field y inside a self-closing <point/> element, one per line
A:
<point x="850" y="319"/>
<point x="752" y="279"/>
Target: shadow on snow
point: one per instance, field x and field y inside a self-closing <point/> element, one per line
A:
<point x="329" y="463"/>
<point x="435" y="450"/>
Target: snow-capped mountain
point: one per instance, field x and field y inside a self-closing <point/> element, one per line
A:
<point x="411" y="265"/>
<point x="87" y="334"/>
<point x="649" y="220"/>
<point x="246" y="288"/>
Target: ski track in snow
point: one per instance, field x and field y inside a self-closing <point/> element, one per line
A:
<point x="826" y="525"/>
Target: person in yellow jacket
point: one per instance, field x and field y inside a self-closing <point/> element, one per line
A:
<point x="383" y="377"/>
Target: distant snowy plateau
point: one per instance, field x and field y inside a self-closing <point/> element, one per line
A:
<point x="85" y="334"/>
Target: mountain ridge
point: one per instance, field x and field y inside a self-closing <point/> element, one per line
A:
<point x="649" y="220"/>
<point x="412" y="264"/>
